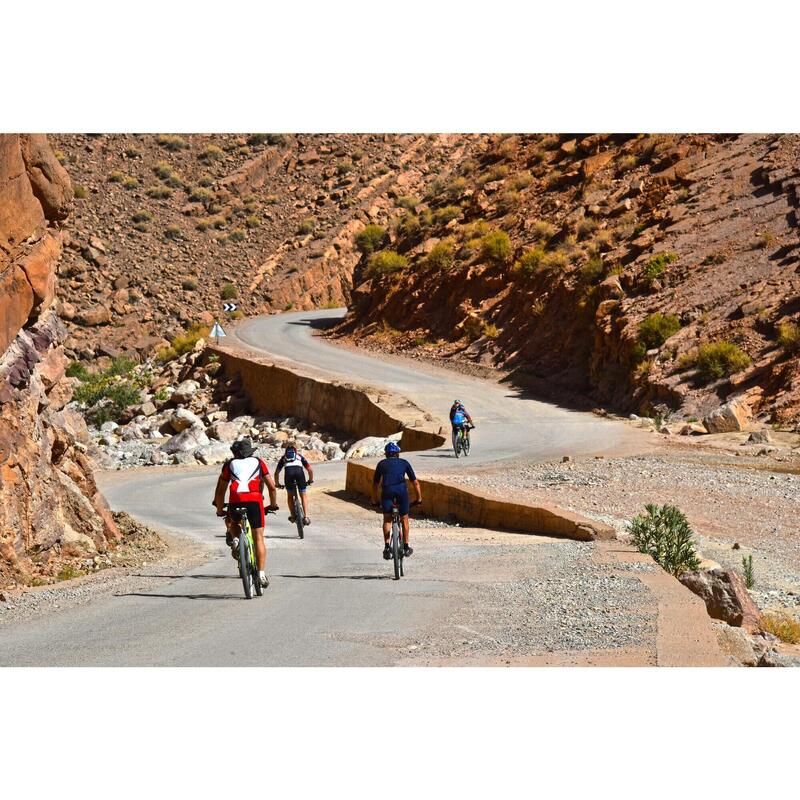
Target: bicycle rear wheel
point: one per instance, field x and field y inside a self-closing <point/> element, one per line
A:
<point x="298" y="511"/>
<point x="245" y="568"/>
<point x="466" y="445"/>
<point x="396" y="550"/>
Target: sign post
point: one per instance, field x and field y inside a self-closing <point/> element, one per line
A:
<point x="217" y="332"/>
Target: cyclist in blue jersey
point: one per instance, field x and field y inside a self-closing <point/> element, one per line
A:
<point x="390" y="476"/>
<point x="459" y="417"/>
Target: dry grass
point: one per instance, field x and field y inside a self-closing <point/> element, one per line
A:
<point x="783" y="625"/>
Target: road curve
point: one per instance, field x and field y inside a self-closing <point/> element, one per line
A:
<point x="330" y="601"/>
<point x="509" y="425"/>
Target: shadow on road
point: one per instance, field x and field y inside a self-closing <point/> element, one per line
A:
<point x="343" y="577"/>
<point x="184" y="596"/>
<point x="319" y="324"/>
<point x="176" y="577"/>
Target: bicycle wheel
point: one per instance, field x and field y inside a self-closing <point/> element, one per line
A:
<point x="298" y="511"/>
<point x="245" y="569"/>
<point x="455" y="444"/>
<point x="466" y="445"/>
<point x="256" y="578"/>
<point x="396" y="550"/>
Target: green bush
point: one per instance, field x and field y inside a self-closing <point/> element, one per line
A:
<point x="530" y="261"/>
<point x="720" y="359"/>
<point x="252" y="221"/>
<point x="236" y="235"/>
<point x="655" y="329"/>
<point x="508" y="201"/>
<point x="369" y="239"/>
<point x="520" y="181"/>
<point x="408" y="202"/>
<point x="163" y="169"/>
<point x="555" y="261"/>
<point x="201" y="194"/>
<point x="664" y="533"/>
<point x="444" y="215"/>
<point x="789" y="336"/>
<point x="181" y="344"/>
<point x="408" y="225"/>
<point x="130" y="183"/>
<point x="656" y="266"/>
<point x="116" y="177"/>
<point x="80" y="192"/>
<point x="211" y="153"/>
<point x="270" y="138"/>
<point x="441" y="256"/>
<point x="159" y="192"/>
<point x="228" y="291"/>
<point x="117" y="384"/>
<point x="496" y="247"/>
<point x="173" y="232"/>
<point x="343" y="166"/>
<point x="171" y="142"/>
<point x="142" y="215"/>
<point x="190" y="284"/>
<point x="593" y="270"/>
<point x="542" y="230"/>
<point x="386" y="262"/>
<point x="306" y="227"/>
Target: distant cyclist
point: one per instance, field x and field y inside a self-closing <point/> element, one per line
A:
<point x="247" y="475"/>
<point x="390" y="475"/>
<point x="459" y="417"/>
<point x="294" y="463"/>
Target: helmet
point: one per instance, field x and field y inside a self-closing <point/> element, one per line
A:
<point x="392" y="449"/>
<point x="456" y="402"/>
<point x="242" y="448"/>
<point x="290" y="450"/>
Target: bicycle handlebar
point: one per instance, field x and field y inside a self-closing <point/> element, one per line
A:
<point x="267" y="509"/>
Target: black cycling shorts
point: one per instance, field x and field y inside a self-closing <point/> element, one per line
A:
<point x="295" y="476"/>
<point x="255" y="513"/>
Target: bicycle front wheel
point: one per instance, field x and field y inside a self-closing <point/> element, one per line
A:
<point x="245" y="568"/>
<point x="466" y="445"/>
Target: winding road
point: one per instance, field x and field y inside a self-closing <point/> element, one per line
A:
<point x="331" y="600"/>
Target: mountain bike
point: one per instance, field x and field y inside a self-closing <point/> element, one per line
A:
<point x="461" y="440"/>
<point x="248" y="568"/>
<point x="296" y="508"/>
<point x="396" y="540"/>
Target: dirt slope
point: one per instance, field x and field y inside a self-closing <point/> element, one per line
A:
<point x="604" y="231"/>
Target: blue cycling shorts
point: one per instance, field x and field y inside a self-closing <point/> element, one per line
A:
<point x="401" y="493"/>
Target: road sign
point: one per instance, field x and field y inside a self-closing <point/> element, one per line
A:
<point x="230" y="306"/>
<point x="217" y="331"/>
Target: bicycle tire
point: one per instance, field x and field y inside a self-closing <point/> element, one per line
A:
<point x="298" y="511"/>
<point x="256" y="577"/>
<point x="245" y="569"/>
<point x="396" y="549"/>
<point x="466" y="445"/>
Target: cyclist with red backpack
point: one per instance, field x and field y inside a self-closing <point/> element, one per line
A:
<point x="247" y="475"/>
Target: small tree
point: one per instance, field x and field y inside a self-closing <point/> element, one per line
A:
<point x="664" y="533"/>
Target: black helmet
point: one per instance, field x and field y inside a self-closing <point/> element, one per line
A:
<point x="242" y="448"/>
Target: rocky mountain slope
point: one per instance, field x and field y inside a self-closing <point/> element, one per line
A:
<point x="50" y="509"/>
<point x="168" y="227"/>
<point x="654" y="273"/>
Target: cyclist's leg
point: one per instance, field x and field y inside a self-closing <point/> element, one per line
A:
<point x="255" y="513"/>
<point x="403" y="505"/>
<point x="386" y="505"/>
<point x="404" y="520"/>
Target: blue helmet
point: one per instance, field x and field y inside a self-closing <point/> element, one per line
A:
<point x="392" y="449"/>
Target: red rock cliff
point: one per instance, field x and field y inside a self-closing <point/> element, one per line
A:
<point x="50" y="509"/>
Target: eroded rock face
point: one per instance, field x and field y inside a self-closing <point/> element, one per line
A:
<point x="725" y="596"/>
<point x="50" y="508"/>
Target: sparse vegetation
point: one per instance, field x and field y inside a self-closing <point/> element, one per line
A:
<point x="496" y="247"/>
<point x="542" y="230"/>
<point x="656" y="328"/>
<point x="172" y="142"/>
<point x="116" y="177"/>
<point x="520" y="181"/>
<point x="173" y="232"/>
<point x="344" y="165"/>
<point x="720" y="359"/>
<point x="783" y="625"/>
<point x="441" y="256"/>
<point x="305" y="227"/>
<point x="386" y="262"/>
<point x="80" y="192"/>
<point x="626" y="163"/>
<point x="408" y="202"/>
<point x="159" y="192"/>
<point x="585" y="228"/>
<point x="764" y="240"/>
<point x="370" y="238"/>
<point x="252" y="221"/>
<point x="789" y="337"/>
<point x="228" y="291"/>
<point x="189" y="284"/>
<point x="256" y="139"/>
<point x="202" y="195"/>
<point x="592" y="270"/>
<point x="142" y="215"/>
<point x="183" y="343"/>
<point x="163" y="169"/>
<point x="656" y="266"/>
<point x="714" y="258"/>
<point x="130" y="183"/>
<point x="68" y="572"/>
<point x="508" y="201"/>
<point x="530" y="261"/>
<point x="236" y="235"/>
<point x="664" y="533"/>
<point x="211" y="153"/>
<point x="118" y="386"/>
<point x="444" y="215"/>
<point x="749" y="572"/>
<point x="555" y="261"/>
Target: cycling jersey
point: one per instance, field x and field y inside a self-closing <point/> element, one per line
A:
<point x="458" y="415"/>
<point x="297" y="460"/>
<point x="391" y="473"/>
<point x="246" y="477"/>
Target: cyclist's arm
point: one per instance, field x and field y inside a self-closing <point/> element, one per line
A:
<point x="273" y="494"/>
<point x="414" y="482"/>
<point x="307" y="466"/>
<point x="219" y="493"/>
<point x="376" y="482"/>
<point x="278" y="468"/>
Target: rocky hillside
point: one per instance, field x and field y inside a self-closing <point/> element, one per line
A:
<point x="168" y="227"/>
<point x="657" y="273"/>
<point x="50" y="509"/>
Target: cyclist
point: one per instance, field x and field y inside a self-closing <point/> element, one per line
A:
<point x="294" y="463"/>
<point x="459" y="417"/>
<point x="390" y="475"/>
<point x="247" y="475"/>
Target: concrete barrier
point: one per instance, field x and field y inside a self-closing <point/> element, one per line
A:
<point x="482" y="510"/>
<point x="358" y="411"/>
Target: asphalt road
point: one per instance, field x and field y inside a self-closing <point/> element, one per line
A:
<point x="331" y="600"/>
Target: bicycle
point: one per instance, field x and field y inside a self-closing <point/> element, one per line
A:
<point x="396" y="540"/>
<point x="296" y="509"/>
<point x="461" y="440"/>
<point x="248" y="569"/>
